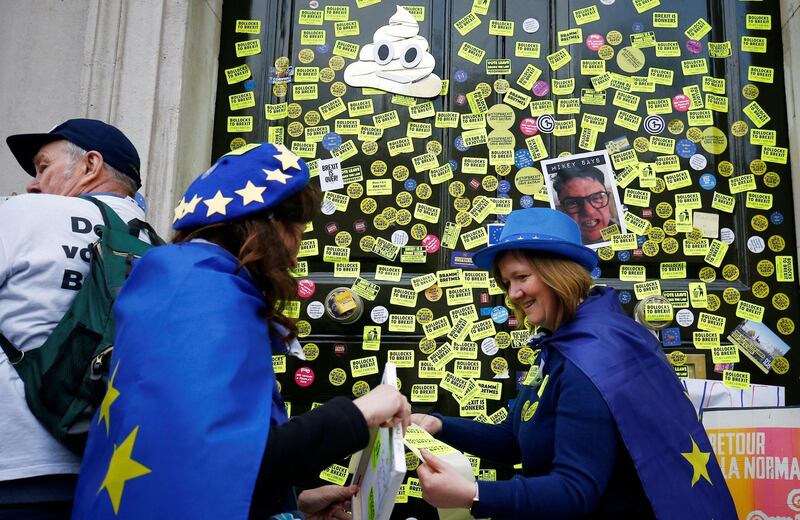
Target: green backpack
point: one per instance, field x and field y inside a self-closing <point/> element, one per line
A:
<point x="65" y="379"/>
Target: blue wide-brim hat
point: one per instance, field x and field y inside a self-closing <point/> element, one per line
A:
<point x="539" y="229"/>
<point x="253" y="178"/>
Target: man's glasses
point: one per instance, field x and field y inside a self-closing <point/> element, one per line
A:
<point x="574" y="205"/>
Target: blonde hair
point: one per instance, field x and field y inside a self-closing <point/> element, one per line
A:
<point x="568" y="280"/>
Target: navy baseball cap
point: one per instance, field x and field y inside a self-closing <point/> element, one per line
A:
<point x="89" y="134"/>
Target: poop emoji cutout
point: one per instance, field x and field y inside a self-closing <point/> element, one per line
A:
<point x="397" y="61"/>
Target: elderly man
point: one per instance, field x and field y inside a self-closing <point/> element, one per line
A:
<point x="44" y="256"/>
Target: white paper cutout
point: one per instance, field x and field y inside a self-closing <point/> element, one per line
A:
<point x="397" y="61"/>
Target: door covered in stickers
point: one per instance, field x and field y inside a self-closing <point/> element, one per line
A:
<point x="427" y="122"/>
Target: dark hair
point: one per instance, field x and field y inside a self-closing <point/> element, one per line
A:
<point x="575" y="172"/>
<point x="258" y="245"/>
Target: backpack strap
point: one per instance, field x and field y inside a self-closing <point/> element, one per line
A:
<point x="14" y="355"/>
<point x="119" y="236"/>
<point x="137" y="226"/>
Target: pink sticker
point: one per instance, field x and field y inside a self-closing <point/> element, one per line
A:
<point x="541" y="88"/>
<point x="306" y="288"/>
<point x="694" y="46"/>
<point x="340" y="349"/>
<point x="595" y="41"/>
<point x="528" y="126"/>
<point x="304" y="377"/>
<point x="681" y="102"/>
<point x="431" y="243"/>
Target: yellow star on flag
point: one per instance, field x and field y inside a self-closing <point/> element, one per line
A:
<point x="121" y="469"/>
<point x="287" y="158"/>
<point x="180" y="211"/>
<point x="192" y="204"/>
<point x="276" y="175"/>
<point x="251" y="193"/>
<point x="111" y="396"/>
<point x="217" y="204"/>
<point x="699" y="461"/>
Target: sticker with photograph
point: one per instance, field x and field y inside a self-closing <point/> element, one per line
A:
<point x="583" y="187"/>
<point x="758" y="343"/>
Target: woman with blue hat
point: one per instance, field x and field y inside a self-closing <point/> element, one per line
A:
<point x="193" y="424"/>
<point x="601" y="426"/>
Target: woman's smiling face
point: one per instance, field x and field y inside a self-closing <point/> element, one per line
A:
<point x="527" y="290"/>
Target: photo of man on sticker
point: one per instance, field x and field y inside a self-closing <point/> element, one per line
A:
<point x="583" y="187"/>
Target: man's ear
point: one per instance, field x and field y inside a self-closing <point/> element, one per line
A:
<point x="94" y="163"/>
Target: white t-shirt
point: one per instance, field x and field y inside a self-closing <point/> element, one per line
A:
<point x="44" y="256"/>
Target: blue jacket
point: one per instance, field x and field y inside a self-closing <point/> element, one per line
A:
<point x="608" y="409"/>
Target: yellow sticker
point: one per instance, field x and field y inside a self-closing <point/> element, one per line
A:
<point x="735" y="379"/>
<point x="471" y="53"/>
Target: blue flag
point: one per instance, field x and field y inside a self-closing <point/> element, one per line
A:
<point x="655" y="418"/>
<point x="183" y="427"/>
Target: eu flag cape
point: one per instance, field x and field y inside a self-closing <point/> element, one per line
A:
<point x="655" y="418"/>
<point x="191" y="397"/>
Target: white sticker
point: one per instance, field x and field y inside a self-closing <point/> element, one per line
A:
<point x="684" y="317"/>
<point x="726" y="235"/>
<point x="330" y="174"/>
<point x="328" y="208"/>
<point x="698" y="162"/>
<point x="488" y="347"/>
<point x="755" y="244"/>
<point x="379" y="314"/>
<point x="530" y="25"/>
<point x="400" y="238"/>
<point x="315" y="310"/>
<point x="607" y="2"/>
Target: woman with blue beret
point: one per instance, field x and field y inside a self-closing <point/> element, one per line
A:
<point x="193" y="424"/>
<point x="602" y="426"/>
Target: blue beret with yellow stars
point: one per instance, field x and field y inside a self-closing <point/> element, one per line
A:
<point x="255" y="177"/>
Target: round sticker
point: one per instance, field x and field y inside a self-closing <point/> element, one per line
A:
<point x="546" y="124"/>
<point x="500" y="117"/>
<point x="677" y="358"/>
<point x="336" y="63"/>
<point x="530" y="25"/>
<point x="499" y="314"/>
<point x="282" y="63"/>
<point x="595" y="41"/>
<point x="760" y="289"/>
<point x="707" y="181"/>
<point x="280" y="89"/>
<point x="771" y="179"/>
<point x="337" y="377"/>
<point x="499" y="365"/>
<point x="605" y="253"/>
<point x="624" y="297"/>
<point x="326" y="74"/>
<point x="765" y="268"/>
<point x="654" y="125"/>
<point x="606" y="52"/>
<point x="460" y="76"/>
<point x="433" y="293"/>
<point x="785" y="326"/>
<point x="462" y="204"/>
<point x="501" y="86"/>
<point x="694" y="134"/>
<point x="343" y="239"/>
<point x="338" y="89"/>
<point x="315" y="310"/>
<point x="685" y="148"/>
<point x="424" y="316"/>
<point x="403" y="217"/>
<point x="780" y="365"/>
<point x="427" y="346"/>
<point x="304" y="377"/>
<point x="694" y="46"/>
<point x="713" y="302"/>
<point x="776" y="243"/>
<point x="489" y="347"/>
<point x="670" y="246"/>
<point x="367" y="243"/>
<point x="379" y="314"/>
<point x="707" y="274"/>
<point x="295" y="129"/>
<point x="418" y="231"/>
<point x="730" y="272"/>
<point x="750" y="91"/>
<point x="630" y="59"/>
<point x="525" y="355"/>
<point x="739" y="128"/>
<point x="681" y="102"/>
<point x="306" y="288"/>
<point x="727" y="235"/>
<point x="503" y="339"/>
<point x="423" y="191"/>
<point x="369" y="147"/>
<point x="431" y="243"/>
<point x="776" y="217"/>
<point x="755" y="244"/>
<point x="312" y="118"/>
<point x="656" y="234"/>
<point x="780" y="301"/>
<point x="310" y="351"/>
<point x="237" y="142"/>
<point x="380" y="222"/>
<point x="303" y="328"/>
<point x="528" y="126"/>
<point x="502" y="169"/>
<point x="731" y="295"/>
<point x="641" y="145"/>
<point x="614" y="37"/>
<point x="698" y="162"/>
<point x="529" y="181"/>
<point x="675" y="126"/>
<point x="360" y="388"/>
<point x="484" y="89"/>
<point x="489" y="183"/>
<point x="670" y="227"/>
<point x="327" y="208"/>
<point x="664" y="209"/>
<point x="759" y="222"/>
<point x="541" y="88"/>
<point x="684" y="317"/>
<point x="400" y="238"/>
<point x="714" y="140"/>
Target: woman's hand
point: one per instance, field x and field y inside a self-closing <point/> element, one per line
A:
<point x="384" y="406"/>
<point x="442" y="486"/>
<point x="429" y="423"/>
<point x="327" y="502"/>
